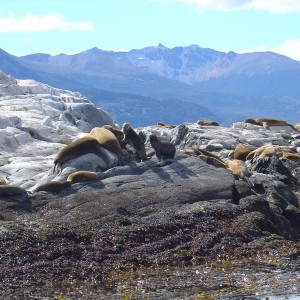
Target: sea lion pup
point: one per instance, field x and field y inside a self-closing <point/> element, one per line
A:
<point x="162" y="148"/>
<point x="207" y="123"/>
<point x="213" y="161"/>
<point x="239" y="169"/>
<point x="81" y="146"/>
<point x="82" y="176"/>
<point x="107" y="140"/>
<point x="240" y="152"/>
<point x="12" y="190"/>
<point x="53" y="186"/>
<point x="2" y="181"/>
<point x="134" y="140"/>
<point x="266" y="122"/>
<point x="117" y="132"/>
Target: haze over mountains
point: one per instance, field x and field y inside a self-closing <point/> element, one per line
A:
<point x="172" y="85"/>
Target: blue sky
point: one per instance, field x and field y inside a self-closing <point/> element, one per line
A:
<point x="72" y="26"/>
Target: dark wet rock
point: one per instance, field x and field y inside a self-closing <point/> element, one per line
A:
<point x="142" y="214"/>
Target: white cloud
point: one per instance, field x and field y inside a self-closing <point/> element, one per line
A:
<point x="273" y="6"/>
<point x="218" y="4"/>
<point x="289" y="48"/>
<point x="35" y="23"/>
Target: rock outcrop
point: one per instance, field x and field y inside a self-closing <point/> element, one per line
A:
<point x="36" y="120"/>
<point x="134" y="215"/>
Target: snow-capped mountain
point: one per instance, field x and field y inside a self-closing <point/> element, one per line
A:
<point x="202" y="83"/>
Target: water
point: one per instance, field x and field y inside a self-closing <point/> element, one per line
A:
<point x="221" y="280"/>
<point x="263" y="277"/>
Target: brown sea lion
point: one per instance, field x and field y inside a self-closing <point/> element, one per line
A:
<point x="169" y="126"/>
<point x="197" y="151"/>
<point x="213" y="161"/>
<point x="82" y="176"/>
<point x="291" y="156"/>
<point x="207" y="123"/>
<point x="134" y="140"/>
<point x="117" y="132"/>
<point x="256" y="152"/>
<point x="53" y="186"/>
<point x="240" y="152"/>
<point x="239" y="169"/>
<point x="191" y="151"/>
<point x="297" y="127"/>
<point x="2" y="181"/>
<point x="162" y="148"/>
<point x="266" y="122"/>
<point x="77" y="148"/>
<point x="107" y="140"/>
<point x="8" y="190"/>
<point x="270" y="151"/>
<point x="265" y="151"/>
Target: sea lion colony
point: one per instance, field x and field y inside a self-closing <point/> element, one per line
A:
<point x="116" y="141"/>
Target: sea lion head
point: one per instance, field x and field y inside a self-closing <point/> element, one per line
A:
<point x="126" y="126"/>
<point x="251" y="121"/>
<point x="153" y="138"/>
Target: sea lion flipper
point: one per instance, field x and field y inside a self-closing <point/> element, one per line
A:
<point x="250" y="183"/>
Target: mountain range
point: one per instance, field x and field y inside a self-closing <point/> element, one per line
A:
<point x="152" y="84"/>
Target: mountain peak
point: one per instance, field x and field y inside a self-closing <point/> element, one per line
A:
<point x="161" y="46"/>
<point x="94" y="50"/>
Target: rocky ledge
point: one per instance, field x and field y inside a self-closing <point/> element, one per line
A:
<point x="165" y="229"/>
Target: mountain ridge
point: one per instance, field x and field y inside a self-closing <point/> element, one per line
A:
<point x="227" y="85"/>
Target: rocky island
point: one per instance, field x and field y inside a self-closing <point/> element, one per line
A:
<point x="161" y="228"/>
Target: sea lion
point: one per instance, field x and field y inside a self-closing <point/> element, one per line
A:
<point x="197" y="151"/>
<point x="239" y="169"/>
<point x="240" y="152"/>
<point x="75" y="149"/>
<point x="53" y="186"/>
<point x="265" y="151"/>
<point x="256" y="152"/>
<point x="12" y="190"/>
<point x="162" y="148"/>
<point x="169" y="126"/>
<point x="213" y="161"/>
<point x="82" y="176"/>
<point x="2" y="181"/>
<point x="207" y="123"/>
<point x="297" y="127"/>
<point x="134" y="140"/>
<point x="117" y="132"/>
<point x="291" y="156"/>
<point x="107" y="140"/>
<point x="191" y="151"/>
<point x="266" y="122"/>
<point x="270" y="151"/>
